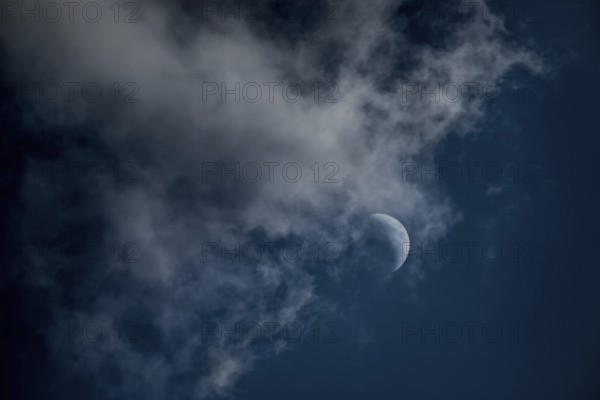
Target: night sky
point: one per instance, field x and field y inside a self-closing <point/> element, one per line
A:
<point x="187" y="192"/>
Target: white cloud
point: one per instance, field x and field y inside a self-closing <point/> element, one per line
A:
<point x="172" y="131"/>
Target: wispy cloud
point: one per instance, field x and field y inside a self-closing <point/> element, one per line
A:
<point x="177" y="57"/>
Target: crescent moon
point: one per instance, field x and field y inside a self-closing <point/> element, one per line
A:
<point x="397" y="235"/>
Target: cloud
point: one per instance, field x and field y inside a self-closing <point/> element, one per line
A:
<point x="180" y="132"/>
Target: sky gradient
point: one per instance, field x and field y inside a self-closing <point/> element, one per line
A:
<point x="187" y="191"/>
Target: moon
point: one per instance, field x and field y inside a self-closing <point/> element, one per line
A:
<point x="397" y="235"/>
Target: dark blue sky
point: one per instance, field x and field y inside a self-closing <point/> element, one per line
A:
<point x="553" y="299"/>
<point x="518" y="319"/>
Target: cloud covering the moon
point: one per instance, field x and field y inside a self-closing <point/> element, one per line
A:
<point x="170" y="135"/>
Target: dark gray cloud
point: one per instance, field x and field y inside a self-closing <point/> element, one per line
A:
<point x="173" y="63"/>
